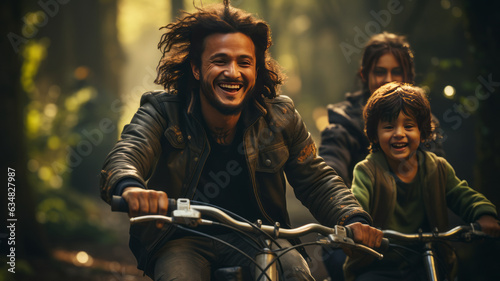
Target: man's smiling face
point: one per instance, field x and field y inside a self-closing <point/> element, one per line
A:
<point x="228" y="71"/>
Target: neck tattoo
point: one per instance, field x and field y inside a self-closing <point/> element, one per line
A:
<point x="221" y="135"/>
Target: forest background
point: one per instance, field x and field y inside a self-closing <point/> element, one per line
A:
<point x="72" y="73"/>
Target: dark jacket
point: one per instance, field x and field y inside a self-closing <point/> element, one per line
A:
<point x="344" y="143"/>
<point x="165" y="148"/>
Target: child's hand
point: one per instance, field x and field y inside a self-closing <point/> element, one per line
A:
<point x="489" y="225"/>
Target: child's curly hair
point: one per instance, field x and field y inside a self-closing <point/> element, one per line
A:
<point x="388" y="101"/>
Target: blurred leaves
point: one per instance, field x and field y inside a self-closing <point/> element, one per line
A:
<point x="69" y="216"/>
<point x="51" y="128"/>
<point x="68" y="74"/>
<point x="33" y="54"/>
<point x="23" y="268"/>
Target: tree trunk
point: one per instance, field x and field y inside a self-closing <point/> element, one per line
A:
<point x="25" y="231"/>
<point x="483" y="24"/>
<point x="484" y="31"/>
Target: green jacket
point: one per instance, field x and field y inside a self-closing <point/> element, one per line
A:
<point x="375" y="188"/>
<point x="165" y="147"/>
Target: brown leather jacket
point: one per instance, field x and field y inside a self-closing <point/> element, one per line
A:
<point x="165" y="148"/>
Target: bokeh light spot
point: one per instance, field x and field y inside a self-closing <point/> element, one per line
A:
<point x="54" y="142"/>
<point x="50" y="110"/>
<point x="456" y="12"/>
<point x="81" y="72"/>
<point x="446" y="4"/>
<point x="82" y="257"/>
<point x="449" y="91"/>
<point x="44" y="173"/>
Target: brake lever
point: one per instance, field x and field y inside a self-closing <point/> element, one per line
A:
<point x="340" y="239"/>
<point x="184" y="214"/>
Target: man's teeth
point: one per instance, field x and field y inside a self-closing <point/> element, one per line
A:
<point x="230" y="86"/>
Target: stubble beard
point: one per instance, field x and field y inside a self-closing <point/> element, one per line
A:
<point x="208" y="92"/>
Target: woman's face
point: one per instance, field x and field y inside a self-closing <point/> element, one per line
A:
<point x="385" y="70"/>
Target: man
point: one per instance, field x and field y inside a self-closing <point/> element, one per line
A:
<point x="221" y="134"/>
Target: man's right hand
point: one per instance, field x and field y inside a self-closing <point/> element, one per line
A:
<point x="145" y="202"/>
<point x="366" y="235"/>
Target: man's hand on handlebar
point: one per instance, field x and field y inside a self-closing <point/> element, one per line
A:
<point x="145" y="202"/>
<point x="366" y="235"/>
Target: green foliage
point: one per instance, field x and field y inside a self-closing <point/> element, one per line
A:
<point x="52" y="126"/>
<point x="23" y="268"/>
<point x="70" y="216"/>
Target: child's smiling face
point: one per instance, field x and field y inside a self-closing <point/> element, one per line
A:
<point x="399" y="138"/>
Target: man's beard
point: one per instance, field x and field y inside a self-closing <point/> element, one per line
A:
<point x="208" y="92"/>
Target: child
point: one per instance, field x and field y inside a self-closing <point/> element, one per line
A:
<point x="407" y="189"/>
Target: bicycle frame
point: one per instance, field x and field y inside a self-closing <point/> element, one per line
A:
<point x="430" y="262"/>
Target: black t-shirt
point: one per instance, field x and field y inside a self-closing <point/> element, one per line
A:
<point x="225" y="180"/>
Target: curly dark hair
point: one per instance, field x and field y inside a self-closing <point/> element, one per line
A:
<point x="388" y="101"/>
<point x="381" y="44"/>
<point x="183" y="43"/>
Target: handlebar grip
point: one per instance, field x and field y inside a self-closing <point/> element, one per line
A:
<point x="384" y="245"/>
<point x="118" y="204"/>
<point x="476" y="226"/>
<point x="348" y="232"/>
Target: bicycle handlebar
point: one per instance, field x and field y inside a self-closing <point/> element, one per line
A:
<point x="185" y="213"/>
<point x="462" y="233"/>
<point x="118" y="204"/>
